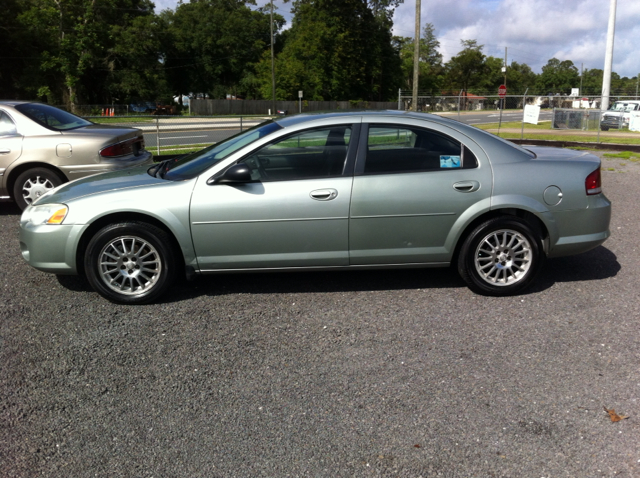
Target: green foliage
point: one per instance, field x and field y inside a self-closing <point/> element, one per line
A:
<point x="336" y="50"/>
<point x="119" y="51"/>
<point x="209" y="44"/>
<point x="431" y="70"/>
<point x="467" y="69"/>
<point x="558" y="77"/>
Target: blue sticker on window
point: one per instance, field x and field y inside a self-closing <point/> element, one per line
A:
<point x="449" y="161"/>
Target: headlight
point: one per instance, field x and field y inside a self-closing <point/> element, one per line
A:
<point x="45" y="214"/>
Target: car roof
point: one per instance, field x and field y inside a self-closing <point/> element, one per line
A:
<point x="304" y="117"/>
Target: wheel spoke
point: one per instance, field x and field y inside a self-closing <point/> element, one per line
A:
<point x="503" y="257"/>
<point x="130" y="265"/>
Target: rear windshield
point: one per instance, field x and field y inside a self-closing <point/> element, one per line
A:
<point x="192" y="165"/>
<point x="52" y="118"/>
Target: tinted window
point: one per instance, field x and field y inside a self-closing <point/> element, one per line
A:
<point x="6" y="125"/>
<point x="314" y="153"/>
<point x="398" y="149"/>
<point x="50" y="117"/>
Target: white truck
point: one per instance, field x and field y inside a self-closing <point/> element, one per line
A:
<point x="619" y="114"/>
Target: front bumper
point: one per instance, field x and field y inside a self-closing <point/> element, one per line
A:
<point x="50" y="248"/>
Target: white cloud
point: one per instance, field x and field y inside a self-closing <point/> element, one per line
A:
<point x="533" y="31"/>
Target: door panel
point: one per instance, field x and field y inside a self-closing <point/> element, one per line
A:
<point x="271" y="224"/>
<point x="414" y="188"/>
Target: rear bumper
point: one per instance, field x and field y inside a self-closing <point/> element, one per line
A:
<point x="582" y="230"/>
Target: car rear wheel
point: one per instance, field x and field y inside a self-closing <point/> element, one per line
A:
<point x="130" y="263"/>
<point x="33" y="183"/>
<point x="502" y="256"/>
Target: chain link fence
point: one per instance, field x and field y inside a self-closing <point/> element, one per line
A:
<point x="579" y="119"/>
<point x="172" y="135"/>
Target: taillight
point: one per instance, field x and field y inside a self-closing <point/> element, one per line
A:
<point x="131" y="146"/>
<point x="593" y="183"/>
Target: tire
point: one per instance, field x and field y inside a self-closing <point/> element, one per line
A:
<point x="33" y="183"/>
<point x="500" y="257"/>
<point x="604" y="128"/>
<point x="115" y="269"/>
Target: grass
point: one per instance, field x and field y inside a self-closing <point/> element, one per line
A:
<point x="629" y="155"/>
<point x="555" y="134"/>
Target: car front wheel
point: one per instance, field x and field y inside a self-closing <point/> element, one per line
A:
<point x="501" y="256"/>
<point x="130" y="263"/>
<point x="32" y="184"/>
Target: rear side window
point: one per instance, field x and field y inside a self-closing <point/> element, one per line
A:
<point x="50" y="117"/>
<point x="402" y="149"/>
<point x="7" y="127"/>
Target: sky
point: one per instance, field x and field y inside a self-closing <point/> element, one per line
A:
<point x="532" y="31"/>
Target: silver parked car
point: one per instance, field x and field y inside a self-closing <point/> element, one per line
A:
<point x="42" y="147"/>
<point x="318" y="192"/>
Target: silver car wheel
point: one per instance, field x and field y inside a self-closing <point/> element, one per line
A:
<point x="129" y="265"/>
<point x="503" y="257"/>
<point x="33" y="188"/>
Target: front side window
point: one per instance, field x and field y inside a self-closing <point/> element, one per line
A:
<point x="309" y="154"/>
<point x="400" y="149"/>
<point x="7" y="127"/>
<point x="52" y="118"/>
<point x="196" y="163"/>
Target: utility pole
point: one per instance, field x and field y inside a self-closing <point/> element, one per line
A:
<point x="504" y="68"/>
<point x="608" y="59"/>
<point x="581" y="73"/>
<point x="416" y="59"/>
<point x="273" y="68"/>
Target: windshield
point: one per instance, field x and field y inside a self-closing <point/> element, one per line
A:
<point x="194" y="164"/>
<point x="52" y="118"/>
<point x="626" y="107"/>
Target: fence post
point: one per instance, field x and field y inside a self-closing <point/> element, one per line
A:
<point x="399" y="98"/>
<point x="524" y="105"/>
<point x="459" y="95"/>
<point x="241" y="124"/>
<point x="158" y="135"/>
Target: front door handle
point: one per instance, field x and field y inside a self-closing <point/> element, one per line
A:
<point x="466" y="186"/>
<point x="324" y="194"/>
<point x="5" y="151"/>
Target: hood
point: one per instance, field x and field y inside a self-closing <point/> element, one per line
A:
<point x="134" y="177"/>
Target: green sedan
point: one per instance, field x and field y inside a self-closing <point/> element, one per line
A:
<point x="321" y="192"/>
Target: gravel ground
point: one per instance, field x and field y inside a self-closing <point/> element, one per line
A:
<point x="403" y="373"/>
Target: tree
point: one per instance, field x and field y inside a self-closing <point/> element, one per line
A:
<point x="430" y="67"/>
<point x="558" y="77"/>
<point x="74" y="40"/>
<point x="210" y="44"/>
<point x="467" y="68"/>
<point x="337" y="50"/>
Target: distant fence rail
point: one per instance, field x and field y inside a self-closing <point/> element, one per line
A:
<point x="262" y="107"/>
<point x="172" y="135"/>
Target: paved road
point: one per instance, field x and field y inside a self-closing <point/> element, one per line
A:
<point x="364" y="374"/>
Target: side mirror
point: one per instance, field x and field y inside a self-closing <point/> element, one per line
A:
<point x="238" y="173"/>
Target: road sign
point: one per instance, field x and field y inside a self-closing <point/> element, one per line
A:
<point x="502" y="91"/>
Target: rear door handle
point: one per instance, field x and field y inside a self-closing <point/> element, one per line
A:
<point x="466" y="186"/>
<point x="5" y="151"/>
<point x="324" y="194"/>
